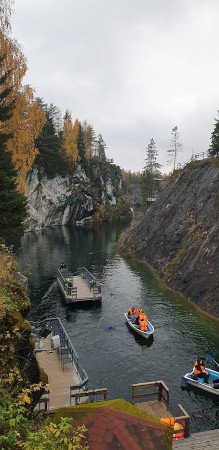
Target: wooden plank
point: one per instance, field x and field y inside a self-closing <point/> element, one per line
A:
<point x="155" y="408"/>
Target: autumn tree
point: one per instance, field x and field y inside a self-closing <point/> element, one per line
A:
<point x="214" y="146"/>
<point x="27" y="118"/>
<point x="174" y="147"/>
<point x="69" y="137"/>
<point x="89" y="140"/>
<point x="12" y="203"/>
<point x="26" y="123"/>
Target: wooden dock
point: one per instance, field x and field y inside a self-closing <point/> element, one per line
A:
<point x="199" y="441"/>
<point x="60" y="377"/>
<point x="58" y="358"/>
<point x="158" y="407"/>
<point x="79" y="287"/>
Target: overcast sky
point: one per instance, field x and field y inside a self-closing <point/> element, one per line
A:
<point x="133" y="68"/>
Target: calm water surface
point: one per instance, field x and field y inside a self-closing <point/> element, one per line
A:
<point x="111" y="354"/>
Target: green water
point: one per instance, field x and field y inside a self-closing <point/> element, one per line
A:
<point x="111" y="354"/>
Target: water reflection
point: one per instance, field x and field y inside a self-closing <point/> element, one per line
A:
<point x="114" y="356"/>
<point x="140" y="340"/>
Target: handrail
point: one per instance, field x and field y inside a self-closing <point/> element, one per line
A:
<point x="57" y="327"/>
<point x="162" y="393"/>
<point x="90" y="393"/>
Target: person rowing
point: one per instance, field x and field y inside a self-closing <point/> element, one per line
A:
<point x="199" y="370"/>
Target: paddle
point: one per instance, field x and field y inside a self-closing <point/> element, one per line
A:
<point x="211" y="358"/>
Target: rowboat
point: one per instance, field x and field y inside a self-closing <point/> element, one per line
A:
<point x="145" y="334"/>
<point x="208" y="387"/>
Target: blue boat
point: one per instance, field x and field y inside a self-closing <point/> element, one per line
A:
<point x="208" y="387"/>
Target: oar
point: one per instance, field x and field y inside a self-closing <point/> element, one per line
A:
<point x="211" y="358"/>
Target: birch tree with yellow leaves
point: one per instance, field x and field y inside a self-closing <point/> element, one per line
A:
<point x="27" y="118"/>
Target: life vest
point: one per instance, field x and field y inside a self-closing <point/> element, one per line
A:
<point x="177" y="426"/>
<point x="198" y="371"/>
<point x="143" y="325"/>
<point x="168" y="421"/>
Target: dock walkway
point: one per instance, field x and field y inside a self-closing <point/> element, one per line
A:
<point x="61" y="363"/>
<point x="199" y="441"/>
<point x="59" y="378"/>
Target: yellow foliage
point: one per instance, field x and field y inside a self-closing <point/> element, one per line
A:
<point x="70" y="134"/>
<point x="26" y="123"/>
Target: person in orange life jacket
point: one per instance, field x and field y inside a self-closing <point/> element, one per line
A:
<point x="143" y="326"/>
<point x="199" y="370"/>
<point x="131" y="312"/>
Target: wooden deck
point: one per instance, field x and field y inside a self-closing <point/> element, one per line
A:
<point x="155" y="408"/>
<point x="79" y="287"/>
<point x="199" y="441"/>
<point x="84" y="292"/>
<point x="59" y="380"/>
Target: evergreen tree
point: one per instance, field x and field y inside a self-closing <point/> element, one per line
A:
<point x="214" y="147"/>
<point x="81" y="146"/>
<point x="51" y="158"/>
<point x="100" y="148"/>
<point x="12" y="203"/>
<point x="149" y="184"/>
<point x="175" y="146"/>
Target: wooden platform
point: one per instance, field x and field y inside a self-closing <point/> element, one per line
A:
<point x="59" y="380"/>
<point x="79" y="287"/>
<point x="155" y="408"/>
<point x="199" y="441"/>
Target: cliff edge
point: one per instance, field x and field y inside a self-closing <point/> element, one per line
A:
<point x="178" y="236"/>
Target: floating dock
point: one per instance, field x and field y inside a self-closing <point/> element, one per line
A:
<point x="80" y="286"/>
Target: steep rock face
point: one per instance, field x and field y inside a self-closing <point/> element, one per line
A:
<point x="178" y="236"/>
<point x="59" y="201"/>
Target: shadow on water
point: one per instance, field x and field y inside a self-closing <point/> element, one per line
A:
<point x="140" y="340"/>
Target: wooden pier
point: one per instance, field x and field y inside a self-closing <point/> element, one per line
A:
<point x="81" y="286"/>
<point x="61" y="364"/>
<point x="158" y="407"/>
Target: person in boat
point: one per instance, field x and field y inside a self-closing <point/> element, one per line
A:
<point x="131" y="313"/>
<point x="199" y="370"/>
<point x="143" y="326"/>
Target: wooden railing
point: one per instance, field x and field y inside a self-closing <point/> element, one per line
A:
<point x="43" y="401"/>
<point x="184" y="419"/>
<point x="162" y="391"/>
<point x="91" y="395"/>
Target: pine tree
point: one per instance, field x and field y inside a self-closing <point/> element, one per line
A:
<point x="81" y="146"/>
<point x="12" y="203"/>
<point x="100" y="148"/>
<point x="151" y="172"/>
<point x="175" y="146"/>
<point x="214" y="147"/>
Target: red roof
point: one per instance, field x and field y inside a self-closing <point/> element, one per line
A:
<point x="109" y="429"/>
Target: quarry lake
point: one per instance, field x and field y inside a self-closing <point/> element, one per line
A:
<point x="110" y="353"/>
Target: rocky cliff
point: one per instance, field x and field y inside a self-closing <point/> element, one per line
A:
<point x="178" y="236"/>
<point x="72" y="199"/>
